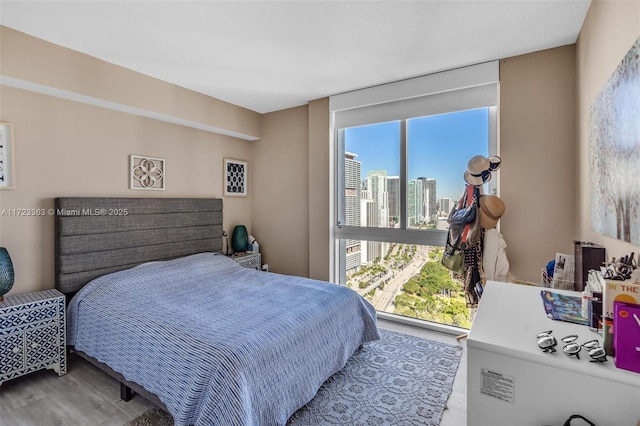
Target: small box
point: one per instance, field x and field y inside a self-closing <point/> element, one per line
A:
<point x="616" y="291"/>
<point x="626" y="336"/>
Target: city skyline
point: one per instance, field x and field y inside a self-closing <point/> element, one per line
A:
<point x="438" y="147"/>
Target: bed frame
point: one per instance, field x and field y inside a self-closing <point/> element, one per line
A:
<point x="97" y="236"/>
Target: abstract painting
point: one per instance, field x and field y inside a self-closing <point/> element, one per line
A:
<point x="614" y="152"/>
<point x="235" y="178"/>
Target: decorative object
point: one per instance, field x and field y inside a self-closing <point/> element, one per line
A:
<point x="240" y="239"/>
<point x="147" y="173"/>
<point x="399" y="379"/>
<point x="614" y="152"/>
<point x="235" y="178"/>
<point x="6" y="156"/>
<point x="6" y="273"/>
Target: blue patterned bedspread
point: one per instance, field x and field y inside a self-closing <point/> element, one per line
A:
<point x="220" y="344"/>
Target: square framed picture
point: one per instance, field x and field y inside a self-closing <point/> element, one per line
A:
<point x="146" y="173"/>
<point x="6" y="156"/>
<point x="235" y="178"/>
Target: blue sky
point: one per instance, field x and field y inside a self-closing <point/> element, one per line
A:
<point x="439" y="147"/>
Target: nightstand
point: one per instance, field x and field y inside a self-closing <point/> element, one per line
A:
<point x="249" y="260"/>
<point x="32" y="334"/>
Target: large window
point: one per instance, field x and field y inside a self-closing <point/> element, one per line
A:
<point x="400" y="154"/>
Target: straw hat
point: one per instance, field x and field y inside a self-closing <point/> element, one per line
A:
<point x="490" y="211"/>
<point x="479" y="169"/>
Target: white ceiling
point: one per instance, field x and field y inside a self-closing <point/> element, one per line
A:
<point x="271" y="55"/>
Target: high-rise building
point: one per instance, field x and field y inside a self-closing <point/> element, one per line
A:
<point x="445" y="205"/>
<point x="426" y="197"/>
<point x="393" y="189"/>
<point x="377" y="191"/>
<point x="352" y="169"/>
<point x="370" y="217"/>
<point x="430" y="200"/>
<point x="421" y="199"/>
<point x="412" y="218"/>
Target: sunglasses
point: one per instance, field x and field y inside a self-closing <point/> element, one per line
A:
<point x="547" y="343"/>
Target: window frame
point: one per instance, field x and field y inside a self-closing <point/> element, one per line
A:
<point x="454" y="85"/>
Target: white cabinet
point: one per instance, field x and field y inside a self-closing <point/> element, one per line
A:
<point x="510" y="381"/>
<point x="32" y="334"/>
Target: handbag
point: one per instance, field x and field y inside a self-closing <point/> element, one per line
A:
<point x="466" y="209"/>
<point x="453" y="257"/>
<point x="463" y="216"/>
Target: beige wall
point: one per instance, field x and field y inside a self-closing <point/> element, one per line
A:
<point x="290" y="212"/>
<point x="280" y="213"/>
<point x="67" y="148"/>
<point x="609" y="30"/>
<point x="38" y="62"/>
<point x="319" y="186"/>
<point x="537" y="146"/>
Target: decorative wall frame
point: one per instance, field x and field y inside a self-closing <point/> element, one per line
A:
<point x="235" y="178"/>
<point x="146" y="173"/>
<point x="7" y="157"/>
<point x="614" y="152"/>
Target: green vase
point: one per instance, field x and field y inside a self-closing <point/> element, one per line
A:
<point x="6" y="272"/>
<point x="240" y="239"/>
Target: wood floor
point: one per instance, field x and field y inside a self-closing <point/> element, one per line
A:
<point x="85" y="396"/>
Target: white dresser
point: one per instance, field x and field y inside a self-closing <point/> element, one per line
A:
<point x="32" y="334"/>
<point x="510" y="381"/>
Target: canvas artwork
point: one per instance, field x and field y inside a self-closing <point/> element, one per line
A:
<point x="6" y="156"/>
<point x="614" y="152"/>
<point x="235" y="177"/>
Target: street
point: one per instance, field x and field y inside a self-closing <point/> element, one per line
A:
<point x="383" y="299"/>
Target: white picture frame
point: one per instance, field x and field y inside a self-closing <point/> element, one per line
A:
<point x="147" y="173"/>
<point x="235" y="178"/>
<point x="7" y="157"/>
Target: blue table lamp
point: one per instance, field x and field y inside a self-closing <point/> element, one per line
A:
<point x="6" y="273"/>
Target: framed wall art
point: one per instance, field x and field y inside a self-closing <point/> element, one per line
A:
<point x="614" y="152"/>
<point x="146" y="173"/>
<point x="235" y="178"/>
<point x="6" y="156"/>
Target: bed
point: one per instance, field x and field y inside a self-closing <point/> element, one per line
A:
<point x="154" y="303"/>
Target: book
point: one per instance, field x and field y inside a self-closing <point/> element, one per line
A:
<point x="561" y="307"/>
<point x="615" y="291"/>
<point x="626" y="336"/>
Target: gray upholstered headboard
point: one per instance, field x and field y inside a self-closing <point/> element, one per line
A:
<point x="97" y="236"/>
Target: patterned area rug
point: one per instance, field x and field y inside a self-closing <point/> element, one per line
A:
<point x="398" y="380"/>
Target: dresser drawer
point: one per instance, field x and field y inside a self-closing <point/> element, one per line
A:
<point x="11" y="352"/>
<point x="28" y="316"/>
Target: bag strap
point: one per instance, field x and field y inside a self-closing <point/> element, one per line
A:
<point x="469" y="201"/>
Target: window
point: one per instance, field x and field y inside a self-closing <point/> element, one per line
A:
<point x="400" y="154"/>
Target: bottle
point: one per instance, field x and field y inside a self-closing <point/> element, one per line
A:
<point x="256" y="247"/>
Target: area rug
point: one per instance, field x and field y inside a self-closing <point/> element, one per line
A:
<point x="397" y="380"/>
